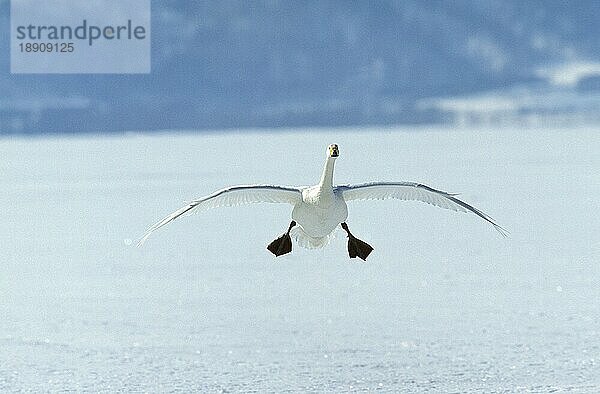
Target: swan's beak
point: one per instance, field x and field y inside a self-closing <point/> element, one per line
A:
<point x="334" y="150"/>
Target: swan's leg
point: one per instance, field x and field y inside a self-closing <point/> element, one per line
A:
<point x="283" y="244"/>
<point x="356" y="247"/>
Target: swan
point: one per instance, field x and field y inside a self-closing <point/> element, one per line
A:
<point x="319" y="209"/>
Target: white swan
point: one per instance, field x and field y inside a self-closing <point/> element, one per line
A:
<point x="319" y="209"/>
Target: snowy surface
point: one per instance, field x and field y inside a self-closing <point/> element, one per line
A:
<point x="444" y="303"/>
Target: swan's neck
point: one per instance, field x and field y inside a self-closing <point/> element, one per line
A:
<point x="327" y="177"/>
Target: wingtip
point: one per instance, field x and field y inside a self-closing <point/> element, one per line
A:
<point x="142" y="241"/>
<point x="504" y="232"/>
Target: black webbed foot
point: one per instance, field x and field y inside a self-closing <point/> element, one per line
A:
<point x="356" y="247"/>
<point x="283" y="244"/>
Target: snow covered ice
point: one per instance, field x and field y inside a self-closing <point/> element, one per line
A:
<point x="444" y="304"/>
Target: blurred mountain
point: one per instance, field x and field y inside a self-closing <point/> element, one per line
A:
<point x="282" y="63"/>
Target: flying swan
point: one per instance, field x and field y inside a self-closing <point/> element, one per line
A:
<point x="319" y="209"/>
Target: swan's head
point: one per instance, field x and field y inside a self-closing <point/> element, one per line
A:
<point x="333" y="151"/>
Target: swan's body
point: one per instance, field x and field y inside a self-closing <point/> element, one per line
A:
<point x="319" y="209"/>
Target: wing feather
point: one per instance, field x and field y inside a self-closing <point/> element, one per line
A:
<point x="232" y="196"/>
<point x="412" y="191"/>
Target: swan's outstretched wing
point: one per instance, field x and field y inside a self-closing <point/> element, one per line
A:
<point x="411" y="191"/>
<point x="231" y="196"/>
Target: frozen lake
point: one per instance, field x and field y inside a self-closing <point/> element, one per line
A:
<point x="443" y="304"/>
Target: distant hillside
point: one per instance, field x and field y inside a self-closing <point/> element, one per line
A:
<point x="282" y="63"/>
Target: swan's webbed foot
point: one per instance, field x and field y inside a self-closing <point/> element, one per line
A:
<point x="283" y="244"/>
<point x="356" y="247"/>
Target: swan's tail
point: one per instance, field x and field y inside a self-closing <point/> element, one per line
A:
<point x="306" y="241"/>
